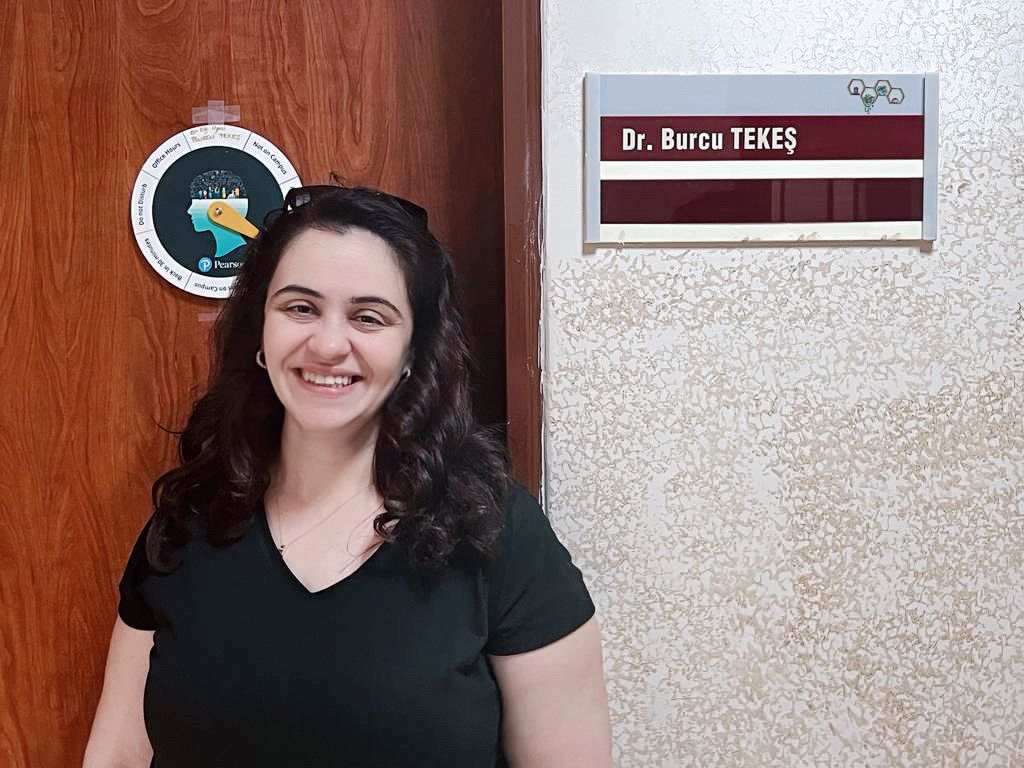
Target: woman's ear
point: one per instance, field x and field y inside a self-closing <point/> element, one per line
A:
<point x="407" y="368"/>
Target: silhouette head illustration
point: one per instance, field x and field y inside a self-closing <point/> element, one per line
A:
<point x="223" y="186"/>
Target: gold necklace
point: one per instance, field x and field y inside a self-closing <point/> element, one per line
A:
<point x="281" y="547"/>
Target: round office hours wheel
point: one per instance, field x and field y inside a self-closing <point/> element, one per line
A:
<point x="200" y="198"/>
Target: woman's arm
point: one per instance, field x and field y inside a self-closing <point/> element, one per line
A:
<point x="554" y="704"/>
<point x="118" y="738"/>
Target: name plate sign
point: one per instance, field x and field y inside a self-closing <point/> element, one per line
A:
<point x="775" y="158"/>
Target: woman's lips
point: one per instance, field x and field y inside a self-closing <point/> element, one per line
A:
<point x="324" y="390"/>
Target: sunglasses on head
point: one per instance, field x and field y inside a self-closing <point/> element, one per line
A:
<point x="299" y="196"/>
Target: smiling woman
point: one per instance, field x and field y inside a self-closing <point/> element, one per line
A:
<point x="340" y="564"/>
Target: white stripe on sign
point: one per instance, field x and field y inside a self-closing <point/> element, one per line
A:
<point x="731" y="233"/>
<point x="761" y="169"/>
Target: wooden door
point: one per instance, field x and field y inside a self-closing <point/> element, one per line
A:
<point x="98" y="351"/>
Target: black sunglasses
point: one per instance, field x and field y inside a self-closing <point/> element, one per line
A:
<point x="299" y="196"/>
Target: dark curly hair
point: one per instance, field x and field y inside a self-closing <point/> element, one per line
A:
<point x="442" y="476"/>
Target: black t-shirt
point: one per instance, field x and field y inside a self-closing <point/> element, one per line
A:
<point x="385" y="668"/>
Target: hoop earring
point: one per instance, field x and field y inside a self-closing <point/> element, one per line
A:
<point x="406" y="374"/>
<point x="261" y="361"/>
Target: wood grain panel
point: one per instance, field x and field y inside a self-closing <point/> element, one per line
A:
<point x="99" y="352"/>
<point x="522" y="199"/>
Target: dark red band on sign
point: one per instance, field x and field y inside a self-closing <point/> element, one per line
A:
<point x="760" y="201"/>
<point x="841" y="137"/>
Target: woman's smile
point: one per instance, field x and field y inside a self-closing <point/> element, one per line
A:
<point x="327" y="386"/>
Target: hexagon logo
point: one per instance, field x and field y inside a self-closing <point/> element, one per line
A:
<point x="881" y="92"/>
<point x="868" y="98"/>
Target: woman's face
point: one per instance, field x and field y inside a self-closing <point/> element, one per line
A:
<point x="336" y="307"/>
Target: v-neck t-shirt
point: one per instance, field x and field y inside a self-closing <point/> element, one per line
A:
<point x="386" y="668"/>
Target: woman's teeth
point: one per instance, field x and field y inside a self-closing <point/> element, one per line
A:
<point x="328" y="381"/>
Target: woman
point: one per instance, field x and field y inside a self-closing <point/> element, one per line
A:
<point x="339" y="573"/>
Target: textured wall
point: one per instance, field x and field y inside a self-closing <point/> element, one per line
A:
<point x="793" y="476"/>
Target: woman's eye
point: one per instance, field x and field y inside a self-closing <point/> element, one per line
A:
<point x="369" y="319"/>
<point x="300" y="309"/>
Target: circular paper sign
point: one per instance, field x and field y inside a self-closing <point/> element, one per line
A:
<point x="200" y="197"/>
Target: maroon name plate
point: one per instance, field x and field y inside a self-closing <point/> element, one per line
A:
<point x="733" y="158"/>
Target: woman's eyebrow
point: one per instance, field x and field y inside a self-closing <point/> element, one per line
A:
<point x="299" y="289"/>
<point x="375" y="300"/>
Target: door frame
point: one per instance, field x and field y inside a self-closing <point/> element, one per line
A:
<point x="522" y="181"/>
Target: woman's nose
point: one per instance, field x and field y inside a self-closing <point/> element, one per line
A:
<point x="331" y="340"/>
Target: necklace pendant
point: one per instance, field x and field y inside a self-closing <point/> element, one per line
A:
<point x="280" y="548"/>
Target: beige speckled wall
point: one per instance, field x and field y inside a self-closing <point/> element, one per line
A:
<point x="793" y="476"/>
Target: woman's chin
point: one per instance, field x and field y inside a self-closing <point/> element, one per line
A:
<point x="313" y="425"/>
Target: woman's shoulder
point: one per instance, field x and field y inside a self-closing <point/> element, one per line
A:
<point x="185" y="535"/>
<point x="522" y="511"/>
<point x="536" y="593"/>
<point x="526" y="531"/>
<point x="518" y="499"/>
